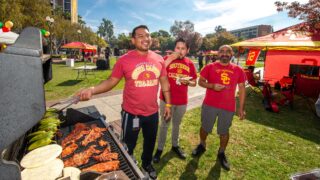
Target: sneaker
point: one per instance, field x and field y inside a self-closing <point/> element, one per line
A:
<point x="151" y="171"/>
<point x="200" y="149"/>
<point x="223" y="161"/>
<point x="179" y="152"/>
<point x="156" y="157"/>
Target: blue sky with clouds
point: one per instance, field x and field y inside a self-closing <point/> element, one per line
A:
<point x="205" y="14"/>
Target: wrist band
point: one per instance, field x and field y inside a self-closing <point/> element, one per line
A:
<point x="168" y="105"/>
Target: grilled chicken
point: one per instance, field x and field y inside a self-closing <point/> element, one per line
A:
<point x="104" y="167"/>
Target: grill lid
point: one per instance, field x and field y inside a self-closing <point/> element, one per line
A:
<point x="22" y="102"/>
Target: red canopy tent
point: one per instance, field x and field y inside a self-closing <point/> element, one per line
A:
<point x="284" y="48"/>
<point x="80" y="45"/>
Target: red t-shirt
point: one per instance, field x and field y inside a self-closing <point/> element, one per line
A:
<point x="230" y="76"/>
<point x="141" y="73"/>
<point x="179" y="68"/>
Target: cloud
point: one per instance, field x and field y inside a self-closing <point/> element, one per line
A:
<point x="136" y="16"/>
<point x="95" y="5"/>
<point x="233" y="14"/>
<point x="153" y="16"/>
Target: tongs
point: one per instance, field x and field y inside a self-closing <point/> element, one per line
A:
<point x="68" y="102"/>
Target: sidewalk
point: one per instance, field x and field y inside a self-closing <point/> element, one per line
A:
<point x="109" y="103"/>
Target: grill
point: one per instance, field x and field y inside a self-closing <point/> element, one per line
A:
<point x="90" y="115"/>
<point x="22" y="105"/>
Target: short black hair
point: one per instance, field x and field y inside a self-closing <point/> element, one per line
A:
<point x="181" y="40"/>
<point x="140" y="26"/>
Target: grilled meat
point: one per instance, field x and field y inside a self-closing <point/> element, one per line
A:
<point x="104" y="167"/>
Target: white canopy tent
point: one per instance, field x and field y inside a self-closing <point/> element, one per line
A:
<point x="8" y="37"/>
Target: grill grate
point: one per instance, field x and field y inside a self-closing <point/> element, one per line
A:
<point x="124" y="164"/>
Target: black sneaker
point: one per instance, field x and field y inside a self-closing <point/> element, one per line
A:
<point x="200" y="149"/>
<point x="151" y="171"/>
<point x="156" y="157"/>
<point x="179" y="152"/>
<point x="223" y="161"/>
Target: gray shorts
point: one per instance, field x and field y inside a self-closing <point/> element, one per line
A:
<point x="209" y="115"/>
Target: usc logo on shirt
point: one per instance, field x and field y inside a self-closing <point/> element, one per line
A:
<point x="225" y="78"/>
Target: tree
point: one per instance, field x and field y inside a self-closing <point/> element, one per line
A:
<point x="124" y="41"/>
<point x="105" y="29"/>
<point x="219" y="29"/>
<point x="179" y="26"/>
<point x="309" y="12"/>
<point x="224" y="38"/>
<point x="81" y="21"/>
<point x="155" y="43"/>
<point x="163" y="33"/>
<point x="186" y="31"/>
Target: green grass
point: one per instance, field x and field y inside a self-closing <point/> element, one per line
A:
<point x="264" y="146"/>
<point x="64" y="83"/>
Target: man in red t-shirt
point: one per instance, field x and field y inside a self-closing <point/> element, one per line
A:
<point x="221" y="79"/>
<point x="143" y="70"/>
<point x="181" y="74"/>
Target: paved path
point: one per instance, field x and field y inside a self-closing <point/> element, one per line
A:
<point x="109" y="103"/>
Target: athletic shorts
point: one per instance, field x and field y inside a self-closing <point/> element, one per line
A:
<point x="209" y="115"/>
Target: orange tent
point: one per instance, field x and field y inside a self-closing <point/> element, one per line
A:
<point x="286" y="47"/>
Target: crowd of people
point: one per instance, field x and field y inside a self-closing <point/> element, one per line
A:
<point x="144" y="71"/>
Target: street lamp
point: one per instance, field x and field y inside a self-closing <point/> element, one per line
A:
<point x="50" y="22"/>
<point x="79" y="33"/>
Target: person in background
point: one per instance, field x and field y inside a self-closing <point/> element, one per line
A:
<point x="200" y="60"/>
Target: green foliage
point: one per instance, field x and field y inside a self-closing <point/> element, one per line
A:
<point x="64" y="83"/>
<point x="105" y="29"/>
<point x="308" y="12"/>
<point x="214" y="40"/>
<point x="24" y="13"/>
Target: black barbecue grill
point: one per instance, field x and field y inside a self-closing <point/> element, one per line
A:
<point x="22" y="105"/>
<point x="90" y="115"/>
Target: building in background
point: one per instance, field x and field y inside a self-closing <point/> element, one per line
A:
<point x="68" y="6"/>
<point x="253" y="31"/>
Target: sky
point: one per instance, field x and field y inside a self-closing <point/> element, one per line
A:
<point x="205" y="14"/>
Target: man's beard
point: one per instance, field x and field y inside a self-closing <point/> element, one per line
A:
<point x="225" y="59"/>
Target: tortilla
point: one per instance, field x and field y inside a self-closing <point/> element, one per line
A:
<point x="41" y="156"/>
<point x="49" y="171"/>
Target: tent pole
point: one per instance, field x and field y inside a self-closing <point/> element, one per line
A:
<point x="238" y="55"/>
<point x="264" y="64"/>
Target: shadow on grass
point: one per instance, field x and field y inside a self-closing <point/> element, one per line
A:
<point x="69" y="83"/>
<point x="214" y="172"/>
<point x="164" y="160"/>
<point x="298" y="121"/>
<point x="190" y="169"/>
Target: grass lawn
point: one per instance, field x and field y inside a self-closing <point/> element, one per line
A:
<point x="64" y="83"/>
<point x="264" y="146"/>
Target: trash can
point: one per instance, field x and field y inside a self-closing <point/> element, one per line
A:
<point x="70" y="62"/>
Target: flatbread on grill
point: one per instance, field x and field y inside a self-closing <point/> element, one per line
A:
<point x="72" y="172"/>
<point x="41" y="156"/>
<point x="49" y="171"/>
